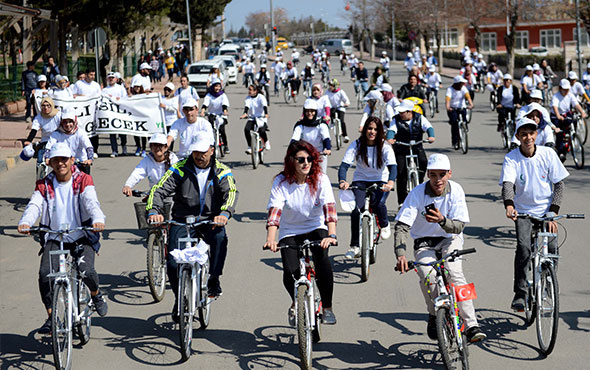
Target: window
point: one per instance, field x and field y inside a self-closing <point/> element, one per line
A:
<point x="488" y="41"/>
<point x="451" y="39"/>
<point x="551" y="38"/>
<point x="584" y="39"/>
<point x="521" y="40"/>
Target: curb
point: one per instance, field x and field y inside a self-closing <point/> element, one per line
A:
<point x="9" y="163"/>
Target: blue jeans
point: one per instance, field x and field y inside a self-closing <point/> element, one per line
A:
<point x="363" y="84"/>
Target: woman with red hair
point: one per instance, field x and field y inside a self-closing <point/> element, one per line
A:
<point x="302" y="203"/>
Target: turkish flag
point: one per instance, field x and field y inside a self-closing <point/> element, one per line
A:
<point x="465" y="292"/>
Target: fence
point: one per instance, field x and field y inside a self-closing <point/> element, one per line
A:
<point x="303" y="38"/>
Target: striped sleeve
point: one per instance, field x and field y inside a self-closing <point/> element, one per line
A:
<point x="330" y="213"/>
<point x="228" y="188"/>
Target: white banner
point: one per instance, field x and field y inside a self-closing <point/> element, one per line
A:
<point x="85" y="109"/>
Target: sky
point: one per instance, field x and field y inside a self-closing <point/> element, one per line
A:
<point x="331" y="11"/>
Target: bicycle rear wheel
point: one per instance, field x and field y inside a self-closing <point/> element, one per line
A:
<point x="304" y="334"/>
<point x="376" y="235"/>
<point x="447" y="339"/>
<point x="463" y="137"/>
<point x="186" y="320"/>
<point x="359" y="101"/>
<point x="287" y="94"/>
<point x="156" y="266"/>
<point x="205" y="302"/>
<point x="337" y="133"/>
<point x="61" y="328"/>
<point x="83" y="326"/>
<point x="492" y="102"/>
<point x="365" y="248"/>
<point x="548" y="310"/>
<point x="530" y="305"/>
<point x="577" y="151"/>
<point x="254" y="147"/>
<point x="582" y="130"/>
<point x="317" y="331"/>
<point x="431" y="105"/>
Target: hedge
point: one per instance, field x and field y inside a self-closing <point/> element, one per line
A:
<point x="556" y="61"/>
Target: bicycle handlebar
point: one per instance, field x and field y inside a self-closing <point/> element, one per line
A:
<point x="554" y="218"/>
<point x="304" y="245"/>
<point x="412" y="142"/>
<point x="450" y="257"/>
<point x="37" y="229"/>
<point x="139" y="194"/>
<point x="189" y="224"/>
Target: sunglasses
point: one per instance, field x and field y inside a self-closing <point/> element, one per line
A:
<point x="302" y="160"/>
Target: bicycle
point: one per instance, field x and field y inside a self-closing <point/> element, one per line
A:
<point x="308" y="304"/>
<point x="468" y="112"/>
<point x="71" y="305"/>
<point x="572" y="141"/>
<point x="256" y="142"/>
<point x="217" y="120"/>
<point x="542" y="301"/>
<point x="432" y="102"/>
<point x="463" y="130"/>
<point x="581" y="126"/>
<point x="548" y="92"/>
<point x="288" y="93"/>
<point x="336" y="128"/>
<point x="493" y="97"/>
<point x="412" y="164"/>
<point x="307" y="87"/>
<point x="450" y="327"/>
<point x="41" y="168"/>
<point x="507" y="131"/>
<point x="156" y="246"/>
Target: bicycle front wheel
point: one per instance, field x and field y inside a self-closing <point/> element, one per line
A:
<point x="338" y="134"/>
<point x="492" y="102"/>
<point x="186" y="319"/>
<point x="365" y="248"/>
<point x="432" y="106"/>
<point x="548" y="309"/>
<point x="448" y="344"/>
<point x="577" y="152"/>
<point x="304" y="328"/>
<point x="530" y="304"/>
<point x="287" y="95"/>
<point x="61" y="328"/>
<point x="359" y="101"/>
<point x="468" y="115"/>
<point x="204" y="309"/>
<point x="582" y="130"/>
<point x="83" y="326"/>
<point x="463" y="137"/>
<point x="255" y="149"/>
<point x="156" y="266"/>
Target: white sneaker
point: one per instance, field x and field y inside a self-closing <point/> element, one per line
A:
<point x="249" y="150"/>
<point x="95" y="155"/>
<point x="267" y="145"/>
<point x="346" y="139"/>
<point x="385" y="232"/>
<point x="352" y="253"/>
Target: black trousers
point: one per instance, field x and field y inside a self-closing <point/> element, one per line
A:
<point x="402" y="172"/>
<point x="323" y="268"/>
<point x="333" y="113"/>
<point x="113" y="139"/>
<point x="454" y="121"/>
<point x="261" y="130"/>
<point x="503" y="114"/>
<point x="143" y="142"/>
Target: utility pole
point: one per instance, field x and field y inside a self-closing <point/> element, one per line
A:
<point x="578" y="36"/>
<point x="272" y="27"/>
<point x="393" y="30"/>
<point x="190" y="36"/>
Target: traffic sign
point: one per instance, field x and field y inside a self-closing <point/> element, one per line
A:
<point x="101" y="35"/>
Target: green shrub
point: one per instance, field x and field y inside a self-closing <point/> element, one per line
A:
<point x="556" y="61"/>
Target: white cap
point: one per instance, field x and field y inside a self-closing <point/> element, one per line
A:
<point x="149" y="51"/>
<point x="27" y="153"/>
<point x="189" y="103"/>
<point x="432" y="68"/>
<point x="565" y="84"/>
<point x="383" y="52"/>
<point x="525" y="121"/>
<point x="310" y="104"/>
<point x="409" y="54"/>
<point x="430" y="52"/>
<point x="536" y="67"/>
<point x="68" y="113"/>
<point x="572" y="75"/>
<point x="144" y="66"/>
<point x="417" y="48"/>
<point x="528" y="67"/>
<point x="117" y="74"/>
<point x="507" y="76"/>
<point x="111" y="74"/>
<point x="61" y="78"/>
<point x="405" y="106"/>
<point x="373" y="95"/>
<point x="588" y="65"/>
<point x="308" y="64"/>
<point x="41" y="78"/>
<point x="438" y="161"/>
<point x="263" y="66"/>
<point x="215" y="80"/>
<point x="386" y="87"/>
<point x="468" y="61"/>
<point x="136" y="81"/>
<point x="60" y="149"/>
<point x="459" y="79"/>
<point x="534" y="106"/>
<point x="170" y="86"/>
<point x="203" y="140"/>
<point x="536" y="94"/>
<point x="158" y="138"/>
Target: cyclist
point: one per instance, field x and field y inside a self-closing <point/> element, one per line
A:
<point x="388" y="96"/>
<point x="169" y="102"/>
<point x="291" y="77"/>
<point x="375" y="164"/>
<point x="577" y="88"/>
<point x="378" y="78"/>
<point x="408" y="125"/>
<point x="66" y="196"/>
<point x="431" y="58"/>
<point x="493" y="77"/>
<point x="353" y="63"/>
<point x="48" y="120"/>
<point x="562" y="105"/>
<point x="295" y="56"/>
<point x="455" y="98"/>
<point x="376" y="107"/>
<point x="323" y="102"/>
<point x="201" y="186"/>
<point x="409" y="62"/>
<point x="436" y="230"/>
<point x="307" y="76"/>
<point x="278" y="67"/>
<point x="471" y="81"/>
<point x="480" y="67"/>
<point x="325" y="68"/>
<point x="412" y="89"/>
<point x="186" y="92"/>
<point x="262" y="79"/>
<point x="255" y="106"/>
<point x="586" y="79"/>
<point x="433" y="82"/>
<point x="262" y="58"/>
<point x="248" y="69"/>
<point x="78" y="142"/>
<point x="152" y="166"/>
<point x="539" y="114"/>
<point x="302" y="207"/>
<point x="507" y="101"/>
<point x="385" y="62"/>
<point x="315" y="131"/>
<point x="529" y="82"/>
<point x="532" y="182"/>
<point x="361" y="79"/>
<point x="216" y="104"/>
<point x="338" y="101"/>
<point x="185" y="129"/>
<point x="343" y="60"/>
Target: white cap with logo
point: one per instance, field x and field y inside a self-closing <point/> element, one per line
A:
<point x="202" y="141"/>
<point x="536" y="94"/>
<point x="60" y="149"/>
<point x="189" y="103"/>
<point x="158" y="138"/>
<point x="525" y="121"/>
<point x="144" y="66"/>
<point x="565" y="84"/>
<point x="405" y="106"/>
<point x="438" y="161"/>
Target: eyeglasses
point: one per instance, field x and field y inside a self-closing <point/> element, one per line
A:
<point x="45" y="106"/>
<point x="302" y="160"/>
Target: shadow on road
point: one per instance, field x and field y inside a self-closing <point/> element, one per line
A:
<point x="128" y="288"/>
<point x="572" y="318"/>
<point x="17" y="204"/>
<point x="250" y="216"/>
<point x="395" y="320"/>
<point x="503" y="237"/>
<point x="30" y="352"/>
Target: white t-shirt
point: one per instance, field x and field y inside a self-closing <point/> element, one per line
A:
<point x="115" y="91"/>
<point x="315" y="135"/>
<point x="530" y="82"/>
<point x="148" y="167"/>
<point x="533" y="178"/>
<point x="62" y="93"/>
<point x="564" y="104"/>
<point x="301" y="212"/>
<point x="46" y="125"/>
<point x="384" y="62"/>
<point x="256" y="105"/>
<point x="171" y="110"/>
<point x="586" y="78"/>
<point x="78" y="143"/>
<point x="338" y="99"/>
<point x="323" y="102"/>
<point x="371" y="172"/>
<point x="143" y="80"/>
<point x="295" y="55"/>
<point x="185" y="94"/>
<point x="186" y="133"/>
<point x="202" y="175"/>
<point x="81" y="87"/>
<point x="577" y="89"/>
<point x="215" y="104"/>
<point x="457" y="97"/>
<point x="433" y="80"/>
<point x="210" y="79"/>
<point x="289" y="73"/>
<point x="452" y="205"/>
<point x="507" y="99"/>
<point x="63" y="211"/>
<point x="495" y="78"/>
<point x="278" y="68"/>
<point x="248" y="68"/>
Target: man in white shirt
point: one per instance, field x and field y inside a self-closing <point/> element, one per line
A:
<point x="434" y="214"/>
<point x="87" y="86"/>
<point x="185" y="129"/>
<point x="144" y="76"/>
<point x="532" y="183"/>
<point x="248" y="70"/>
<point x="185" y="92"/>
<point x="385" y="62"/>
<point x="278" y="67"/>
<point x="115" y="92"/>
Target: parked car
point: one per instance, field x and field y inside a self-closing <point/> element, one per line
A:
<point x="230" y="49"/>
<point x="539" y="51"/>
<point x="282" y="43"/>
<point x="199" y="72"/>
<point x="230" y="66"/>
<point x="335" y="46"/>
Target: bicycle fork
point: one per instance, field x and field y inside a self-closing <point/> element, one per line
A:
<point x="310" y="297"/>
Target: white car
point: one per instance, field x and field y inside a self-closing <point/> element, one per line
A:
<point x="231" y="67"/>
<point x="199" y="72"/>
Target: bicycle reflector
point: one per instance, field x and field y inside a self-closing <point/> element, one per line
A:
<point x="465" y="292"/>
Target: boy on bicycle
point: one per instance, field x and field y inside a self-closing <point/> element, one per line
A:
<point x="66" y="196"/>
<point x="434" y="214"/>
<point x="532" y="183"/>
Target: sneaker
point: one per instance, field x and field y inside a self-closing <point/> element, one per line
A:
<point x="328" y="317"/>
<point x="46" y="327"/>
<point x="214" y="287"/>
<point x="114" y="155"/>
<point x="291" y="316"/>
<point x="249" y="150"/>
<point x="137" y="152"/>
<point x="226" y="149"/>
<point x="352" y="253"/>
<point x="143" y="153"/>
<point x="267" y="145"/>
<point x="474" y="334"/>
<point x="346" y="139"/>
<point x="95" y="155"/>
<point x="431" y="327"/>
<point x="29" y="120"/>
<point x="385" y="232"/>
<point x="175" y="316"/>
<point x="100" y="304"/>
<point x="518" y="302"/>
<point x="456" y="146"/>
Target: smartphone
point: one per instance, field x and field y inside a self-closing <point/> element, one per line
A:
<point x="429" y="207"/>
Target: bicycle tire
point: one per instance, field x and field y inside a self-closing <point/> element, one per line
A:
<point x="359" y="101"/>
<point x="303" y="334"/>
<point x="261" y="156"/>
<point x="548" y="309"/>
<point x="464" y="352"/>
<point x="316" y="333"/>
<point x="463" y="137"/>
<point x="287" y="95"/>
<point x="365" y="249"/>
<point x="577" y="150"/>
<point x="204" y="309"/>
<point x="337" y="133"/>
<point x="468" y="115"/>
<point x="376" y="235"/>
<point x="61" y="328"/>
<point x="413" y="179"/>
<point x="447" y="339"/>
<point x="186" y="321"/>
<point x="83" y="327"/>
<point x="492" y="102"/>
<point x="254" y="147"/>
<point x="431" y="106"/>
<point x="582" y="130"/>
<point x="156" y="267"/>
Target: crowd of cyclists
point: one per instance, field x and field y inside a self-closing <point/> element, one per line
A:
<point x="182" y="169"/>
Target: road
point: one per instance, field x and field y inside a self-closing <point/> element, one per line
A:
<point x="381" y="323"/>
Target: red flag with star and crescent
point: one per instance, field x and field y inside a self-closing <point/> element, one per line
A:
<point x="465" y="292"/>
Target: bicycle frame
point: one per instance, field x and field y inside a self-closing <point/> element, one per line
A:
<point x="306" y="274"/>
<point x="411" y="162"/>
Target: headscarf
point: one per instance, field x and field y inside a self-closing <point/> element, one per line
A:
<point x="53" y="111"/>
<point x="61" y="129"/>
<point x="212" y="91"/>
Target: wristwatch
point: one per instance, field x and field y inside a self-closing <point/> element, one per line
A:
<point x="333" y="236"/>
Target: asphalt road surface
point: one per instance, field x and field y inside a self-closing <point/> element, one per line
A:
<point x="381" y="323"/>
